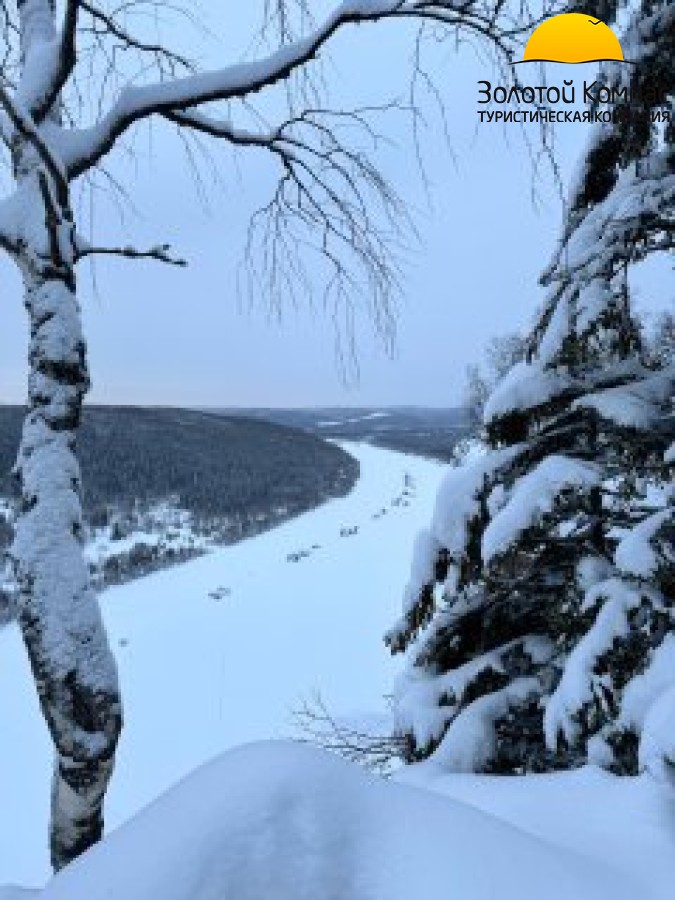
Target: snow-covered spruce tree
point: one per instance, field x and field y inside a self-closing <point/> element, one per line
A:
<point x="77" y="78"/>
<point x="538" y="620"/>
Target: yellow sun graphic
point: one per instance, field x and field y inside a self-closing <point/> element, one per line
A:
<point x="573" y="38"/>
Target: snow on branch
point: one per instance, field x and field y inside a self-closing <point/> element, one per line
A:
<point x="470" y="743"/>
<point x="648" y="708"/>
<point x="639" y="405"/>
<point x="49" y="65"/>
<point x="621" y="199"/>
<point x="647" y="43"/>
<point x="635" y="219"/>
<point x="461" y="494"/>
<point x="84" y="148"/>
<point x="525" y="386"/>
<point x="641" y="552"/>
<point x="532" y="497"/>
<point x="160" y="253"/>
<point x="442" y="551"/>
<point x="426" y="704"/>
<point x="25" y="126"/>
<point x="582" y="684"/>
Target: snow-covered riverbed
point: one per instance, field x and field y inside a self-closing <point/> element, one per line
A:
<point x="221" y="650"/>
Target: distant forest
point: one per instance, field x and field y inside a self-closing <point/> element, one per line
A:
<point x="217" y="467"/>
<point x="421" y="431"/>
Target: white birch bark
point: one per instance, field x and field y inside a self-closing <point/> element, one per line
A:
<point x="73" y="667"/>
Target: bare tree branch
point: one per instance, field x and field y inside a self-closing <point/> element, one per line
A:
<point x="377" y="753"/>
<point x="182" y="93"/>
<point x="114" y="28"/>
<point x="330" y="200"/>
<point x="160" y="253"/>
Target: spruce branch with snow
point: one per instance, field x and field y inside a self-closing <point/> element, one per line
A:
<point x="539" y="616"/>
<point x="76" y="79"/>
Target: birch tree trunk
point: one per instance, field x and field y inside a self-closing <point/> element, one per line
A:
<point x="60" y="621"/>
<point x="73" y="667"/>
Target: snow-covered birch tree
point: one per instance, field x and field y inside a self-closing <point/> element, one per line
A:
<point x="68" y="97"/>
<point x="500" y="355"/>
<point x="540" y="614"/>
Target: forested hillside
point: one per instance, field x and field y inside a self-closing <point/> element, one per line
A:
<point x="420" y="430"/>
<point x="215" y="465"/>
<point x="162" y="484"/>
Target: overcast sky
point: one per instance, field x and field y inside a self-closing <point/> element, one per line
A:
<point x="159" y="335"/>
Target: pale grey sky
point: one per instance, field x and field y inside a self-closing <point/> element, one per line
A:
<point x="159" y="335"/>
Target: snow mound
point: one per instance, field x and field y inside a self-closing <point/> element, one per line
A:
<point x="627" y="823"/>
<point x="279" y="821"/>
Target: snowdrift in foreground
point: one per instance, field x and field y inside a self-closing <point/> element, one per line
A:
<point x="279" y="821"/>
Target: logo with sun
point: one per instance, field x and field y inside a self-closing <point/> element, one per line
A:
<point x="573" y="38"/>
